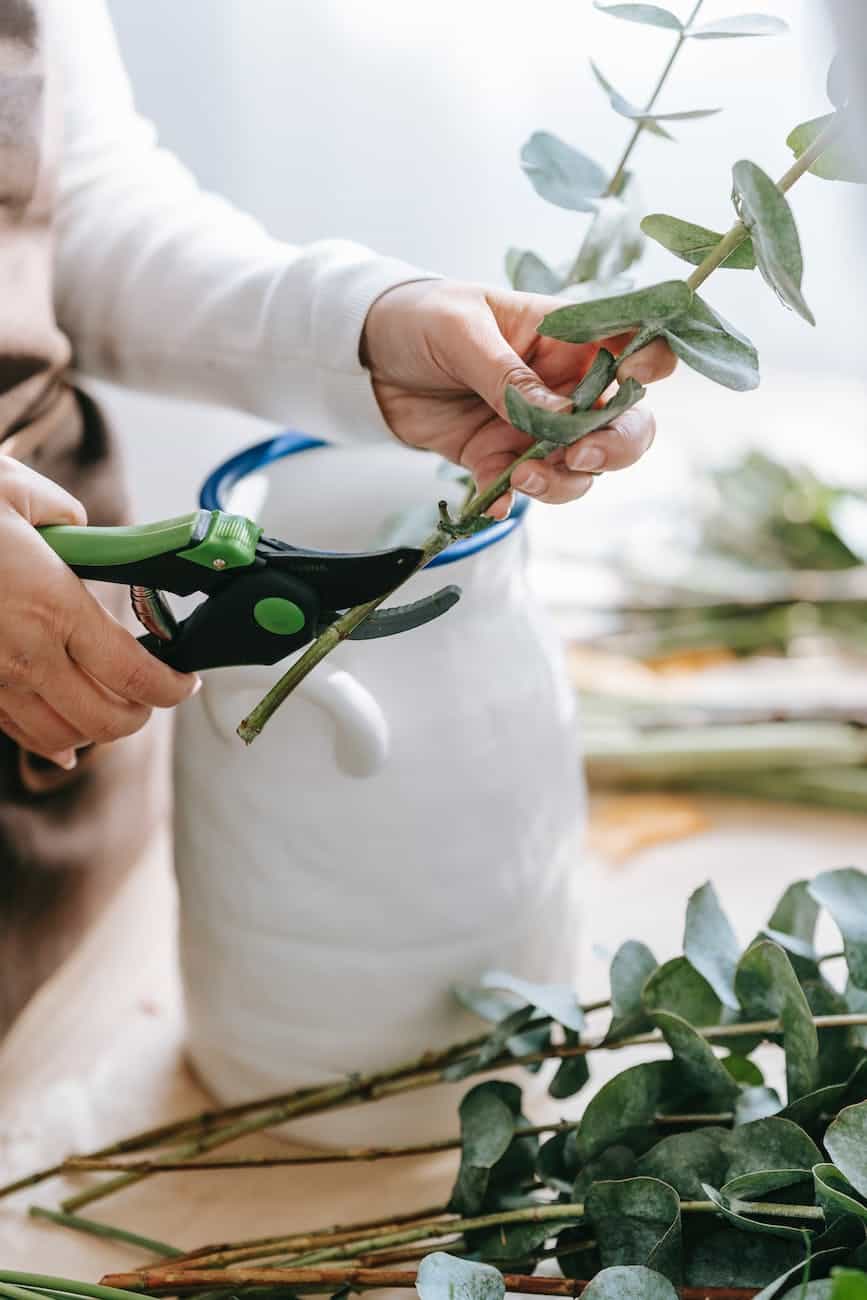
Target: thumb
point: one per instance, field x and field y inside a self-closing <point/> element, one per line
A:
<point x="490" y="366"/>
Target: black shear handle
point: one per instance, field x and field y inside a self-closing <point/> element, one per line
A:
<point x="260" y="618"/>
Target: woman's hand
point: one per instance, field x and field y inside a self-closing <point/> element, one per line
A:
<point x="441" y="355"/>
<point x="69" y="674"/>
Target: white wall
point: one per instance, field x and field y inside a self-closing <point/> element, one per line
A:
<point x="399" y="124"/>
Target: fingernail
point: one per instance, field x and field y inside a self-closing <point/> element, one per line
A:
<point x="197" y="687"/>
<point x="533" y="483"/>
<point x="588" y="459"/>
<point x="67" y="759"/>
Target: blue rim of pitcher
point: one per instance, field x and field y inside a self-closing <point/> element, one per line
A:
<point x="219" y="483"/>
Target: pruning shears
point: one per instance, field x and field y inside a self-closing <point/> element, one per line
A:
<point x="263" y="598"/>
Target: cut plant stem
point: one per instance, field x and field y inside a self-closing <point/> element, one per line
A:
<point x="95" y="1229"/>
<point x="374" y="1087"/>
<point x="42" y="1281"/>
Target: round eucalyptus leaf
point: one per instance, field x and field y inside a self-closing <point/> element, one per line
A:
<point x="561" y="174"/>
<point x="700" y="1070"/>
<point x="624" y="1109"/>
<point x="843" y="160"/>
<point x="843" y="893"/>
<point x="737" y="1213"/>
<point x="637" y="1221"/>
<point x="678" y="987"/>
<point x="631" y="967"/>
<point x="444" y="1277"/>
<point x="629" y="1283"/>
<point x="573" y="1072"/>
<point x="529" y="273"/>
<point x="772" y="1143"/>
<point x="796" y="913"/>
<point x="693" y="243"/>
<point x="651" y="15"/>
<point x="836" y="1195"/>
<point x="710" y="345"/>
<point x="559" y="1001"/>
<point x="651" y="121"/>
<point x="765" y="212"/>
<point x="767" y="986"/>
<point x="687" y="1160"/>
<point x="594" y="383"/>
<point x="612" y="1164"/>
<point x="711" y="944"/>
<point x="488" y="1004"/>
<point x="737" y="26"/>
<point x="587" y="322"/>
<point x="819" y="1264"/>
<point x="613" y="242"/>
<point x="489" y="1115"/>
<point x="758" y="1185"/>
<point x="564" y="427"/>
<point x="557" y="1162"/>
<point x="846" y="1144"/>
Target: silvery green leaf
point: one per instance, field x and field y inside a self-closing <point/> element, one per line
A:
<point x="624" y="1106"/>
<point x="686" y="1160"/>
<point x="737" y="1214"/>
<point x="494" y="1045"/>
<point x="508" y="1244"/>
<point x="489" y="1115"/>
<point x="796" y="913"/>
<point x="711" y="944"/>
<point x="726" y="1256"/>
<point x="843" y="893"/>
<point x="699" y="1068"/>
<point x="631" y="967"/>
<point x="564" y="427"/>
<point x="756" y="1103"/>
<point x="637" y="1222"/>
<point x="486" y="1003"/>
<point x="587" y="322"/>
<point x="765" y="212"/>
<point x="677" y="986"/>
<point x="838" y="89"/>
<point x="527" y="271"/>
<point x="557" y="1000"/>
<point x="557" y="1162"/>
<point x="820" y="1262"/>
<point x="710" y="345"/>
<point x="445" y="1277"/>
<point x="846" y="1144"/>
<point x="561" y="174"/>
<point x="836" y="1195"/>
<point x="629" y="1283"/>
<point x="767" y="986"/>
<point x="692" y="243"/>
<point x="572" y="1074"/>
<point x="612" y="243"/>
<point x="841" y="161"/>
<point x="594" y="383"/>
<point x="651" y="120"/>
<point x="772" y="1143"/>
<point x="743" y="1070"/>
<point x="756" y="1186"/>
<point x="651" y="15"/>
<point x="823" y="1290"/>
<point x="739" y="25"/>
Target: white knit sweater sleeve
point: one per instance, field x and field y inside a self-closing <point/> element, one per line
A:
<point x="164" y="287"/>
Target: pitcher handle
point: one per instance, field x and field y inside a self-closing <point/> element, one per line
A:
<point x="362" y="737"/>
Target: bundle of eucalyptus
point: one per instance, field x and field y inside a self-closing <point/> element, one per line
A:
<point x="764" y="236"/>
<point x="733" y="1158"/>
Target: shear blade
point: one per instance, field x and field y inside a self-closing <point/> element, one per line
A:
<point x="403" y="618"/>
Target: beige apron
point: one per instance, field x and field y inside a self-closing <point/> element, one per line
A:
<point x="66" y="839"/>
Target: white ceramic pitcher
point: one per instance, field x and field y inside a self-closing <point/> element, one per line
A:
<point x="410" y="818"/>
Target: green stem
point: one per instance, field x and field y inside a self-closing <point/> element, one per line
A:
<point x="96" y="1229"/>
<point x="617" y="179"/>
<point x="42" y="1281"/>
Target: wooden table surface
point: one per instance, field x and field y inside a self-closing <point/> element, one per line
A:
<point x="99" y="1052"/>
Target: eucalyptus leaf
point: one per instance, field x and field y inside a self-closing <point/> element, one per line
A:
<point x="802" y="955"/>
<point x="637" y="1222"/>
<point x="757" y="1186"/>
<point x="559" y="1001"/>
<point x="843" y="893"/>
<point x="528" y="272"/>
<point x="699" y="1068"/>
<point x="594" y="383"/>
<point x="843" y="160"/>
<point x="614" y="1163"/>
<point x="739" y="25"/>
<point x="557" y="1162"/>
<point x="651" y="121"/>
<point x="564" y="427"/>
<point x="723" y="1255"/>
<point x="693" y="243"/>
<point x="819" y="1263"/>
<point x="517" y="1241"/>
<point x="444" y="1277"/>
<point x="489" y="1115"/>
<point x="767" y="986"/>
<point x="651" y="15"/>
<point x="743" y="1070"/>
<point x="772" y="1143"/>
<point x="836" y="1195"/>
<point x="572" y="1074"/>
<point x="613" y="242"/>
<point x="494" y="1045"/>
<point x="796" y="913"/>
<point x="711" y="944"/>
<point x="677" y="986"/>
<point x="587" y="322"/>
<point x="709" y="344"/>
<point x="560" y="174"/>
<point x="756" y="1103"/>
<point x="846" y="1144"/>
<point x="624" y="1109"/>
<point x="631" y="967"/>
<point x="687" y="1160"/>
<point x="488" y="1004"/>
<point x="628" y="1283"/>
<point x="735" y="1212"/>
<point x="811" y="1291"/>
<point x="765" y="212"/>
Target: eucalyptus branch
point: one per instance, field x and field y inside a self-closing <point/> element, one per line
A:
<point x="43" y="1282"/>
<point x="105" y="1230"/>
